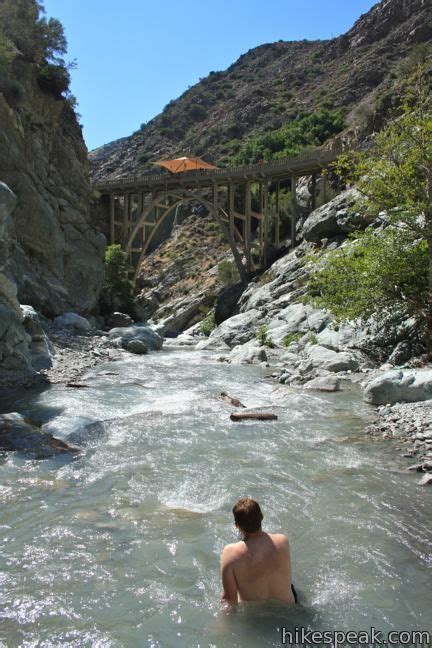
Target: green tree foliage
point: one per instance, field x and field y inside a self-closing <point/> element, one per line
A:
<point x="117" y="289"/>
<point x="376" y="272"/>
<point x="290" y="139"/>
<point x="7" y="51"/>
<point x="383" y="271"/>
<point x="208" y="324"/>
<point x="24" y="30"/>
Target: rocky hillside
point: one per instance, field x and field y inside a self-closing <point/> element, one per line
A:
<point x="181" y="279"/>
<point x="272" y="85"/>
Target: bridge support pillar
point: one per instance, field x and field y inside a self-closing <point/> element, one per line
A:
<point x="247" y="233"/>
<point x="231" y="191"/>
<point x="126" y="216"/>
<point x="112" y="218"/>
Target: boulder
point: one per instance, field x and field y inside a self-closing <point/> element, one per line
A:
<point x="238" y="329"/>
<point x="335" y="218"/>
<point x="319" y="357"/>
<point x="395" y="386"/>
<point x="16" y="433"/>
<point x="72" y="321"/>
<point x="119" y="319"/>
<point x="227" y="302"/>
<point x="212" y="344"/>
<point x="249" y="353"/>
<point x="136" y="346"/>
<point x="41" y="348"/>
<point x="324" y="384"/>
<point x="122" y="336"/>
<point x="14" y="342"/>
<point x="146" y="304"/>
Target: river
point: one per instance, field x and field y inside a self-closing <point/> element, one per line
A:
<point x="120" y="546"/>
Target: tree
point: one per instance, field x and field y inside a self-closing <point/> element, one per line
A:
<point x="117" y="289"/>
<point x="377" y="271"/>
<point x="392" y="267"/>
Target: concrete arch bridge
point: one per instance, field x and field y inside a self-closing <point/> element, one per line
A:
<point x="238" y="198"/>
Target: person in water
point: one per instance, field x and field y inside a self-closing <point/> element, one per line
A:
<point x="258" y="568"/>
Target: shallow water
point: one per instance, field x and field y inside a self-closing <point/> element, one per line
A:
<point x="120" y="547"/>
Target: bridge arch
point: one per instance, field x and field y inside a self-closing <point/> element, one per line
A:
<point x="164" y="206"/>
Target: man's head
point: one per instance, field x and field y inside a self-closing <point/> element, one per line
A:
<point x="247" y="515"/>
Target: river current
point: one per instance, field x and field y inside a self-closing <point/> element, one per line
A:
<point x="120" y="546"/>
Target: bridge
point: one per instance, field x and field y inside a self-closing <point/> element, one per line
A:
<point x="244" y="201"/>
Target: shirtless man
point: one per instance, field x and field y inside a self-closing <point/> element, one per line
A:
<point x="258" y="568"/>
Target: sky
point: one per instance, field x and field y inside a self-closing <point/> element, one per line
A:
<point x="134" y="56"/>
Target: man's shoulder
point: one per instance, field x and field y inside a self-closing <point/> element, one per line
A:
<point x="234" y="551"/>
<point x="279" y="539"/>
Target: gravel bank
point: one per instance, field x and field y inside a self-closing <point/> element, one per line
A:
<point x="410" y="425"/>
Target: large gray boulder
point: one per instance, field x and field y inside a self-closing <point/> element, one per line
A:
<point x="238" y="329"/>
<point x="73" y="322"/>
<point x="18" y="434"/>
<point x="249" y="353"/>
<point x="119" y="319"/>
<point x="297" y="318"/>
<point x="124" y="336"/>
<point x="41" y="348"/>
<point x="14" y="342"/>
<point x="334" y="218"/>
<point x="395" y="386"/>
<point x="318" y="357"/>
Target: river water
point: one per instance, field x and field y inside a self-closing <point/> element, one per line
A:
<point x="120" y="547"/>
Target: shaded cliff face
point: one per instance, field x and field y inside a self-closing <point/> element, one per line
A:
<point x="270" y="85"/>
<point x="57" y="261"/>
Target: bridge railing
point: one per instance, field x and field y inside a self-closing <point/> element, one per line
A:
<point x="260" y="169"/>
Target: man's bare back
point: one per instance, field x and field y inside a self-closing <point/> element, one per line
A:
<point x="258" y="568"/>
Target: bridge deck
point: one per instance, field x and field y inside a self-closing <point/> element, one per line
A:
<point x="306" y="164"/>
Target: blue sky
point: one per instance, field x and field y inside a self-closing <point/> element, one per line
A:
<point x="134" y="56"/>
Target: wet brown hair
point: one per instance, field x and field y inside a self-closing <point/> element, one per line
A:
<point x="247" y="515"/>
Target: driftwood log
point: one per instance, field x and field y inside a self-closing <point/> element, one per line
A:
<point x="77" y="385"/>
<point x="232" y="400"/>
<point x="257" y="416"/>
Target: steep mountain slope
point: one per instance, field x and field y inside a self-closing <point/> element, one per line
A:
<point x="271" y="85"/>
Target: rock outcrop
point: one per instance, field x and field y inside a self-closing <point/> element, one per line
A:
<point x="15" y="356"/>
<point x="396" y="386"/>
<point x="57" y="258"/>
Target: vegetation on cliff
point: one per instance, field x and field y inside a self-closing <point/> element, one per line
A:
<point x="26" y="33"/>
<point x="389" y="268"/>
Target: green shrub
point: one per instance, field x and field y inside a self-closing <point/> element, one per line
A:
<point x="7" y="51"/>
<point x="228" y="273"/>
<point x="293" y="137"/>
<point x="263" y="337"/>
<point x="208" y="324"/>
<point x="312" y="339"/>
<point x="291" y="337"/>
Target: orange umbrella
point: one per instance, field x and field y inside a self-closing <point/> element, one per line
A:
<point x="178" y="165"/>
